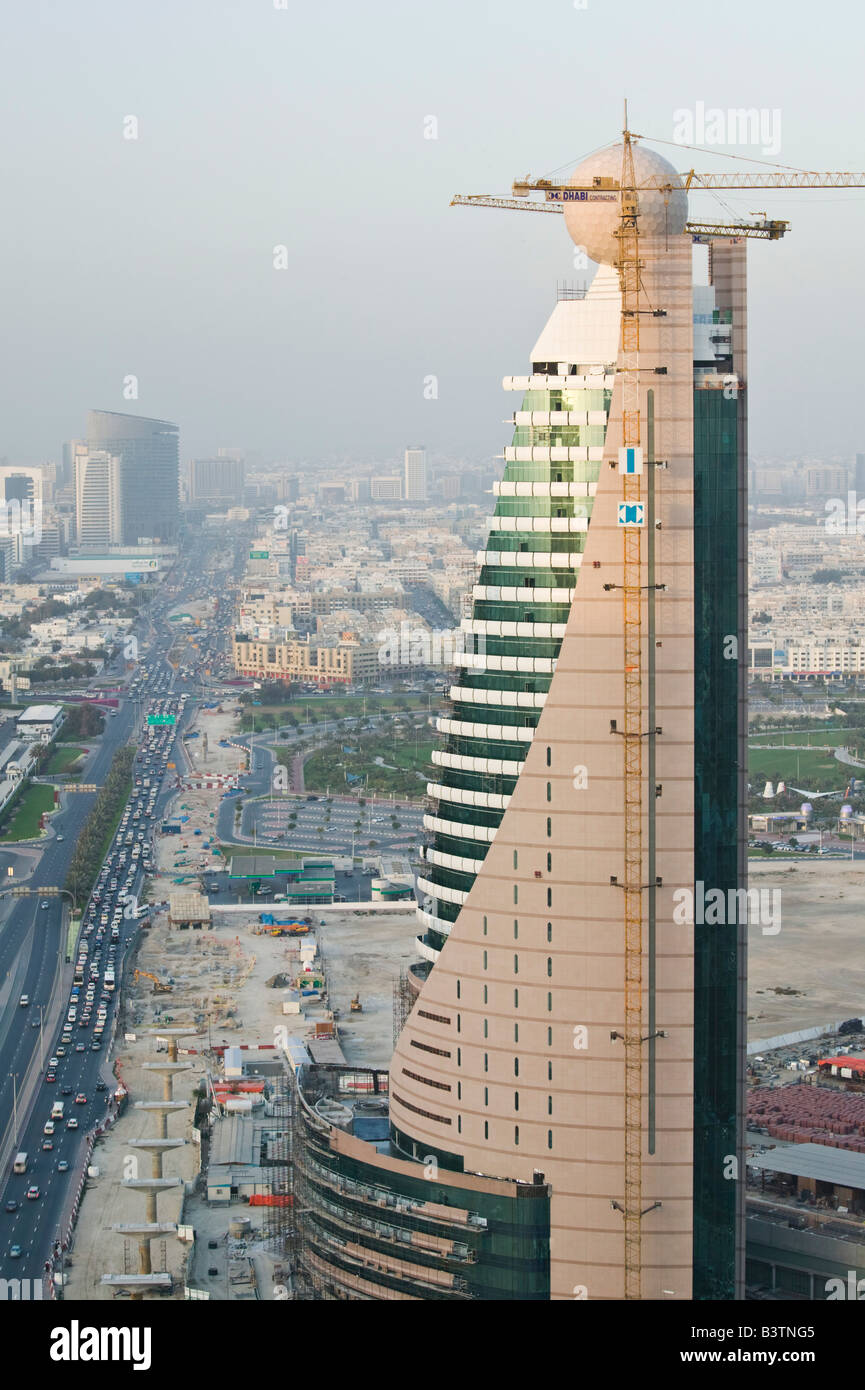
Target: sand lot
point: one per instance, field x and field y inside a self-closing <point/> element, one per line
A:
<point x="819" y="951"/>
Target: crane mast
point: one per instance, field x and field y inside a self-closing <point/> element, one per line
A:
<point x="556" y="196"/>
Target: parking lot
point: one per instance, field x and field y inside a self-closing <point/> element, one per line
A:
<point x="336" y="825"/>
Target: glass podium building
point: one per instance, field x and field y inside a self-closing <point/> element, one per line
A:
<point x="510" y="1066"/>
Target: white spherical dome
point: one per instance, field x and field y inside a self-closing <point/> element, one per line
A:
<point x="592" y="222"/>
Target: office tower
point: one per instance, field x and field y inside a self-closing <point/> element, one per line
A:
<point x="98" y="510"/>
<point x="148" y="472"/>
<point x="9" y="558"/>
<point x="358" y="490"/>
<point x="385" y="489"/>
<point x="18" y="487"/>
<point x="516" y="1116"/>
<point x="449" y="487"/>
<point x="859" y="476"/>
<point x="216" y="480"/>
<point x="415" y="489"/>
<point x="21" y="484"/>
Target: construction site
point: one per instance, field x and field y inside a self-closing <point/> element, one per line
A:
<point x="211" y="1004"/>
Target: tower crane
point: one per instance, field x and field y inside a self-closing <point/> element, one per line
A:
<point x="556" y="196"/>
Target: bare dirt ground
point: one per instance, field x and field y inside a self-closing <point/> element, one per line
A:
<point x="219" y="984"/>
<point x="188" y="853"/>
<point x="818" y="953"/>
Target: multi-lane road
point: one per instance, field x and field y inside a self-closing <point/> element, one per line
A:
<point x="32" y="952"/>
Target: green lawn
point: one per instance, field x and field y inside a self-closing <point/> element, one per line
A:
<point x="812" y="769"/>
<point x="63" y="759"/>
<point x="33" y="803"/>
<point x="404" y="758"/>
<point x="321" y="707"/>
<point x="835" y="737"/>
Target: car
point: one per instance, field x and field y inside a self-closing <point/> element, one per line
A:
<point x="101" y="1086"/>
<point x="24" y="1000"/>
<point x="47" y="1144"/>
<point x="14" y="1252"/>
<point x="96" y="1045"/>
<point x="51" y="1076"/>
<point x="79" y="1047"/>
<point x="63" y="1166"/>
<point x="33" y="1193"/>
<point x="45" y="906"/>
<point x="61" y="837"/>
<point x="66" y="1090"/>
<point x="11" y="1205"/>
<point x="81" y="1099"/>
<point x="72" y="1123"/>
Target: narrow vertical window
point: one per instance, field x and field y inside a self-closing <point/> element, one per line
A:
<point x="549" y="757"/>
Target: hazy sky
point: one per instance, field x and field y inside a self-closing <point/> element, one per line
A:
<point x="304" y="127"/>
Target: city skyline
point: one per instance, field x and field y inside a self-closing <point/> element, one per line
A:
<point x="191" y="300"/>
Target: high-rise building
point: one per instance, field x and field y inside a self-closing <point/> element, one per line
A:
<point x="859" y="476"/>
<point x="415" y="489"/>
<point x="148" y="472"/>
<point x="98" y="514"/>
<point x="385" y="489"/>
<point x="566" y="1094"/>
<point x="216" y="480"/>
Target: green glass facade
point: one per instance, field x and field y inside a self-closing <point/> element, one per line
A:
<point x="716" y="473"/>
<point x="476" y="771"/>
<point x="370" y="1231"/>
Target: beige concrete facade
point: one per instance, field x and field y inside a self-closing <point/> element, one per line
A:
<point x="507" y="1058"/>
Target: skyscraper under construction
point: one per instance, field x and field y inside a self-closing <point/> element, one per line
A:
<point x="565" y="1095"/>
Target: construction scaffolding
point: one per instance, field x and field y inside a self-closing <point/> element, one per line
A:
<point x="276" y="1219"/>
<point x="403" y="1003"/>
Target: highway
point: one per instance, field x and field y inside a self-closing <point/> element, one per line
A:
<point x="32" y="941"/>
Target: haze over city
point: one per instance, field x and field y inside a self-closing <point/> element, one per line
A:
<point x="261" y="127"/>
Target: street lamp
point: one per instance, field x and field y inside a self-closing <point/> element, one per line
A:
<point x="14" y="1076"/>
